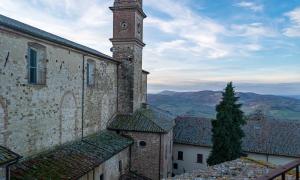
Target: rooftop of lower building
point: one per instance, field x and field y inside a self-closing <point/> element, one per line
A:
<point x="150" y="120"/>
<point x="272" y="137"/>
<point x="72" y="160"/>
<point x="7" y="156"/>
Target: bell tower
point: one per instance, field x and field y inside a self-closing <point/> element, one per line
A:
<point x="128" y="16"/>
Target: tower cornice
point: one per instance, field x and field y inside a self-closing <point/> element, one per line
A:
<point x="135" y="7"/>
<point x="135" y="40"/>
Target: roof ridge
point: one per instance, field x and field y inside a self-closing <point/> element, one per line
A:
<point x="142" y="114"/>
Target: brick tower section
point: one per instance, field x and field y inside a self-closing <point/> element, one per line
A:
<point x="128" y="46"/>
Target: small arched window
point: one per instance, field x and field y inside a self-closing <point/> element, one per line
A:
<point x="142" y="143"/>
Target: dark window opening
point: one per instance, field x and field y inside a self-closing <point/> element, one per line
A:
<point x="101" y="177"/>
<point x="199" y="158"/>
<point x="32" y="66"/>
<point x="90" y="73"/>
<point x="142" y="143"/>
<point x="175" y="166"/>
<point x="180" y="155"/>
<point x="120" y="166"/>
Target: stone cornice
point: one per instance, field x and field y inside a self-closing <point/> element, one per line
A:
<point x="135" y="7"/>
<point x="135" y="40"/>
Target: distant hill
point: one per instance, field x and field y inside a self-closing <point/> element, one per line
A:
<point x="203" y="104"/>
<point x="295" y="96"/>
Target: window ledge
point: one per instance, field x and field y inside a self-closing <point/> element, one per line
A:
<point x="37" y="85"/>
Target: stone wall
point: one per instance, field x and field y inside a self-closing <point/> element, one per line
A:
<point x="166" y="151"/>
<point x="145" y="159"/>
<point x="110" y="168"/>
<point x="130" y="76"/>
<point x="144" y="88"/>
<point x="137" y="91"/>
<point x="34" y="118"/>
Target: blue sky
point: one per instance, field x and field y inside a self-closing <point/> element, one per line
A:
<point x="191" y="44"/>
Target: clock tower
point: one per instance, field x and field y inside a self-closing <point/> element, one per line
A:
<point x="128" y="16"/>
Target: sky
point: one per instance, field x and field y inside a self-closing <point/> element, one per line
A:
<point x="191" y="44"/>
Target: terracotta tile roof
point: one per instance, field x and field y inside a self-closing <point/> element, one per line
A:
<point x="27" y="29"/>
<point x="271" y="137"/>
<point x="73" y="160"/>
<point x="144" y="120"/>
<point x="7" y="156"/>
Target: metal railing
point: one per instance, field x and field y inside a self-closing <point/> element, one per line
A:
<point x="283" y="171"/>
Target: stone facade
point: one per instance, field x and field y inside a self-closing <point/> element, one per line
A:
<point x="77" y="92"/>
<point x="154" y="159"/>
<point x="37" y="117"/>
<point x="127" y="48"/>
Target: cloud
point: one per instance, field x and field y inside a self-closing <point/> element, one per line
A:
<point x="253" y="30"/>
<point x="85" y="22"/>
<point x="294" y="29"/>
<point x="199" y="33"/>
<point x="251" y="6"/>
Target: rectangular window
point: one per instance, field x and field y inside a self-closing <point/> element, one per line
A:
<point x="36" y="65"/>
<point x="180" y="155"/>
<point x="32" y="66"/>
<point x="90" y="73"/>
<point x="199" y="158"/>
<point x="175" y="166"/>
<point x="120" y="166"/>
<point x="101" y="177"/>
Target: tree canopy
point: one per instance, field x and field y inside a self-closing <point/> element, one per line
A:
<point x="227" y="128"/>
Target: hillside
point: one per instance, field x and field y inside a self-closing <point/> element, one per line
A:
<point x="203" y="104"/>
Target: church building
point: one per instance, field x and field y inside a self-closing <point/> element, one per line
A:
<point x="71" y="112"/>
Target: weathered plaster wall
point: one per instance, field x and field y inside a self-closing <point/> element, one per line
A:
<point x="38" y="117"/>
<point x="144" y="88"/>
<point x="110" y="168"/>
<point x="100" y="101"/>
<point x="190" y="152"/>
<point x="189" y="161"/>
<point x="3" y="122"/>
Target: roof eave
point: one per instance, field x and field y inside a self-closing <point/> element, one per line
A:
<point x="6" y="27"/>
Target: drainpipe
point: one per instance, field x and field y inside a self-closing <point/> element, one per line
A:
<point x="82" y="96"/>
<point x="118" y="66"/>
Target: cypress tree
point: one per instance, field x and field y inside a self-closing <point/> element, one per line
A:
<point x="226" y="129"/>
